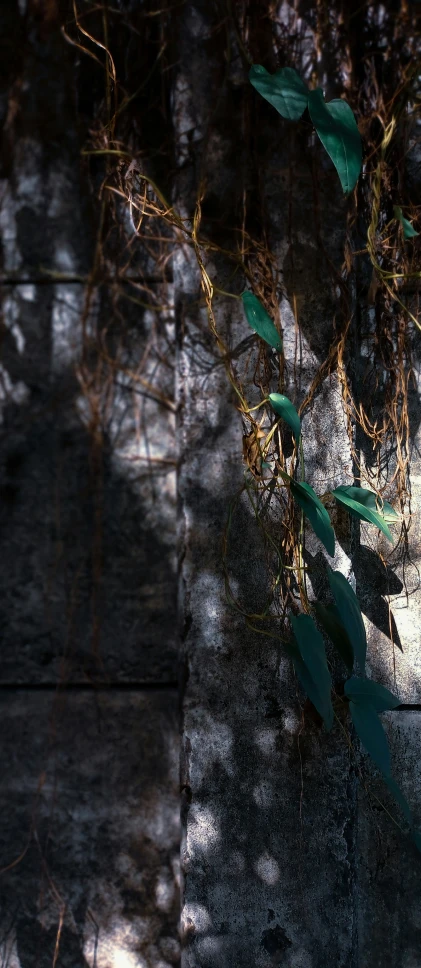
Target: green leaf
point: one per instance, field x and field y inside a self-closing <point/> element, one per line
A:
<point x="284" y="90"/>
<point x="350" y="613"/>
<point x="317" y="683"/>
<point x="337" y="129"/>
<point x="400" y="799"/>
<point x="360" y="504"/>
<point x="287" y="411"/>
<point x="329" y="618"/>
<point x="366" y="691"/>
<point x="408" y="229"/>
<point x="260" y="321"/>
<point x="372" y="735"/>
<point x="369" y="500"/>
<point x="316" y="513"/>
<point x="416" y="837"/>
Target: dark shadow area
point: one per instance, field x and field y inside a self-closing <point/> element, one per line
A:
<point x="100" y="838"/>
<point x="87" y="571"/>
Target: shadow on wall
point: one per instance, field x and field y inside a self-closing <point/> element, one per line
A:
<point x="87" y="560"/>
<point x="98" y="881"/>
<point x="272" y="804"/>
<point x="87" y="568"/>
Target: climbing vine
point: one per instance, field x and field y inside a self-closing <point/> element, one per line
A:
<point x="341" y="622"/>
<point x="379" y="228"/>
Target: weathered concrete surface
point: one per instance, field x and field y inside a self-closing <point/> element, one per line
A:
<point x="268" y="854"/>
<point x="87" y="452"/>
<point x="89" y="832"/>
<point x="89" y="829"/>
<point x="387" y="577"/>
<point x="389" y="867"/>
<point x="275" y="859"/>
<point x="87" y="479"/>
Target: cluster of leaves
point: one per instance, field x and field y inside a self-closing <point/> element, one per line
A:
<point x="341" y="621"/>
<point x="333" y="121"/>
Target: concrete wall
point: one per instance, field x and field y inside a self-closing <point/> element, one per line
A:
<point x="89" y="841"/>
<point x="288" y="856"/>
<point x="120" y="455"/>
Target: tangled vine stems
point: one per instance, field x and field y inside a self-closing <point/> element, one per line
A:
<point x="127" y="182"/>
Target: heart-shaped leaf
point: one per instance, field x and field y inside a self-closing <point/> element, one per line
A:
<point x="284" y="90"/>
<point x="366" y="691"/>
<point x="316" y="513"/>
<point x="260" y="321"/>
<point x="337" y="129"/>
<point x="317" y="683"/>
<point x="285" y="409"/>
<point x="408" y="229"/>
<point x="350" y="614"/>
<point x="330" y="620"/>
<point x="360" y="503"/>
<point x="371" y="734"/>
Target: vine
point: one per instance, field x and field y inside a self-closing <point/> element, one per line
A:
<point x="275" y="476"/>
<point x="341" y="622"/>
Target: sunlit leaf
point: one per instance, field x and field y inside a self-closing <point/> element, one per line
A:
<point x="360" y="505"/>
<point x="366" y="691"/>
<point x="408" y="229"/>
<point x="337" y="129"/>
<point x="285" y="409"/>
<point x="370" y="500"/>
<point x="350" y="613"/>
<point x="260" y="321"/>
<point x="312" y="652"/>
<point x="284" y="90"/>
<point x="371" y="734"/>
<point x="329" y="618"/>
<point x="316" y="513"/>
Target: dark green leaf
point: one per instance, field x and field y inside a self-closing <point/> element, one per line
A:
<point x="287" y="411"/>
<point x="329" y="618"/>
<point x="350" y="613"/>
<point x="337" y="129"/>
<point x="360" y="506"/>
<point x="416" y="837"/>
<point x="408" y="229"/>
<point x="400" y="799"/>
<point x="366" y="691"/>
<point x="284" y="89"/>
<point x="312" y="653"/>
<point x="369" y="500"/>
<point x="371" y="734"/>
<point x="313" y="509"/>
<point x="260" y="321"/>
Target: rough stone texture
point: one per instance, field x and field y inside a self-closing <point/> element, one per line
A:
<point x="265" y="877"/>
<point x="89" y="836"/>
<point x="389" y="869"/>
<point x="87" y="453"/>
<point x="281" y="862"/>
<point x="390" y="590"/>
<point x="89" y="831"/>
<point x="268" y="845"/>
<point x="286" y="860"/>
<point x="87" y="545"/>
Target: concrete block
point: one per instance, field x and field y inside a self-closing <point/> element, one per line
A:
<point x="388" y="863"/>
<point x="87" y="483"/>
<point x="89" y="829"/>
